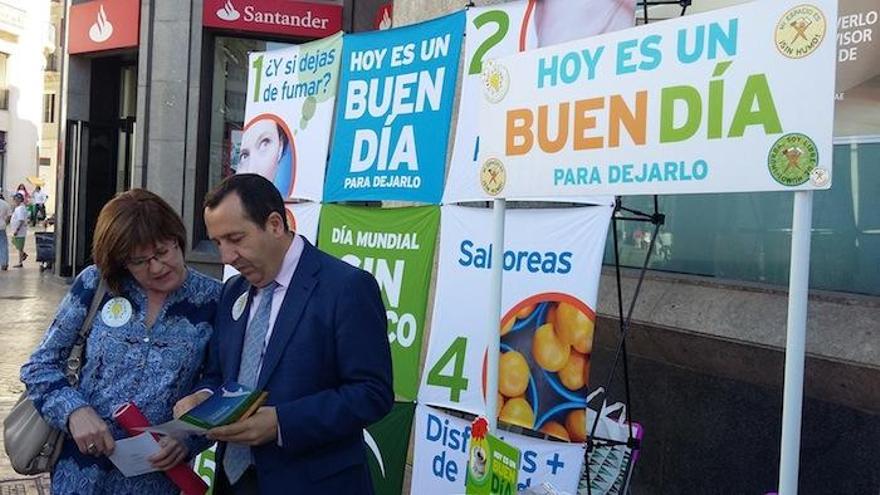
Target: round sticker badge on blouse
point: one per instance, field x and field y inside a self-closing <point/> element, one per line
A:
<point x="240" y="304"/>
<point x="116" y="312"/>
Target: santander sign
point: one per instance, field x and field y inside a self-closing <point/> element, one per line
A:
<point x="288" y="17"/>
<point x="102" y="25"/>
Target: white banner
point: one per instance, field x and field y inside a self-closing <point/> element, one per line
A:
<point x="440" y="456"/>
<point x="552" y="264"/>
<point x="544" y="460"/>
<point x="302" y="218"/>
<point x="733" y="100"/>
<point x="490" y="32"/>
<point x="290" y="98"/>
<point x="509" y="28"/>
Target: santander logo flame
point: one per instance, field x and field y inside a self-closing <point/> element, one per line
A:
<point x="383" y="17"/>
<point x="101" y="30"/>
<point x="228" y="12"/>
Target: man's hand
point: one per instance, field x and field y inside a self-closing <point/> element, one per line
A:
<point x="258" y="429"/>
<point x="172" y="453"/>
<point x="185" y="404"/>
<point x="90" y="432"/>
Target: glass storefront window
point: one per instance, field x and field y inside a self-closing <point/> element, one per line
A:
<point x="748" y="236"/>
<point x="229" y="91"/>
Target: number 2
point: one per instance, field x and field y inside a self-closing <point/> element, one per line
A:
<point x="501" y="19"/>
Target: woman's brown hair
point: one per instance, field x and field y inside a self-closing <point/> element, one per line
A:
<point x="133" y="219"/>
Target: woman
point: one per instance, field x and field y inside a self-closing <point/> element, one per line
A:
<point x="265" y="150"/>
<point x="146" y="345"/>
<point x="22" y="189"/>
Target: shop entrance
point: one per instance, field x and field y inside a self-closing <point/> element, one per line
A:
<point x="98" y="158"/>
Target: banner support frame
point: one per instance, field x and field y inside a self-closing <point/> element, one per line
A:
<point x="795" y="342"/>
<point x="496" y="276"/>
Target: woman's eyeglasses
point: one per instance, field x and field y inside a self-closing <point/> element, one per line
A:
<point x="163" y="254"/>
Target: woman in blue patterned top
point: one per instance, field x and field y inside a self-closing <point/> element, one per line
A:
<point x="146" y="346"/>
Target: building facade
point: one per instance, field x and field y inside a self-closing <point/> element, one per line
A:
<point x="159" y="110"/>
<point x="26" y="38"/>
<point x="51" y="108"/>
<point x="155" y="102"/>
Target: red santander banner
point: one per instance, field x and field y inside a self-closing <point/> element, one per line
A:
<point x="287" y="17"/>
<point x="104" y="25"/>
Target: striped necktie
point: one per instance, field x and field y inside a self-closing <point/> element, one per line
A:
<point x="238" y="457"/>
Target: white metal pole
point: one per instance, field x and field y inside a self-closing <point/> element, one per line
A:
<point x="499" y="207"/>
<point x="795" y="342"/>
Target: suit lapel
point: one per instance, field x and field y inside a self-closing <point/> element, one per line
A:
<point x="302" y="283"/>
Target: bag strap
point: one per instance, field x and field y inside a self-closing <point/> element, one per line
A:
<point x="74" y="361"/>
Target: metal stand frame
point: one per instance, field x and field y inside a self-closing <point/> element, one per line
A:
<point x="624" y="214"/>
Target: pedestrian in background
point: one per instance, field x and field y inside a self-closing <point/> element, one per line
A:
<point x="145" y="346"/>
<point x="19" y="227"/>
<point x="5" y="215"/>
<point x="22" y="189"/>
<point x="38" y="213"/>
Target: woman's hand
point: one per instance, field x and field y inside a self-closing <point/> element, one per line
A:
<point x="173" y="452"/>
<point x="90" y="432"/>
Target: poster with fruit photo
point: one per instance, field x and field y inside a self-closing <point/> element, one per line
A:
<point x="440" y="456"/>
<point x="552" y="263"/>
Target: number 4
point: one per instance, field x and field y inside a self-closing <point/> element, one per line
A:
<point x="456" y="382"/>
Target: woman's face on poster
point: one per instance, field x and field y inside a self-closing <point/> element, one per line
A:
<point x="261" y="148"/>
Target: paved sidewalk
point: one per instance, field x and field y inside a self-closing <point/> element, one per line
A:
<point x="28" y="299"/>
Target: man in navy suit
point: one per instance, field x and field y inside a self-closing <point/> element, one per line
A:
<point x="307" y="328"/>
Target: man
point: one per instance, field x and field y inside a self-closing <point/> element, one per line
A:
<point x="5" y="214"/>
<point x="19" y="227"/>
<point x="307" y="328"/>
<point x="39" y="212"/>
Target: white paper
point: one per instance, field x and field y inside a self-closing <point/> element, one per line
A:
<point x="130" y="456"/>
<point x="175" y="428"/>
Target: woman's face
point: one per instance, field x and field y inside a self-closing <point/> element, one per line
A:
<point x="261" y="149"/>
<point x="158" y="268"/>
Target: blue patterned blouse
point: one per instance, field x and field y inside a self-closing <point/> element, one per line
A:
<point x="124" y="361"/>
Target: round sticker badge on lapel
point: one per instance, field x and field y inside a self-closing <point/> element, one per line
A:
<point x="116" y="312"/>
<point x="240" y="304"/>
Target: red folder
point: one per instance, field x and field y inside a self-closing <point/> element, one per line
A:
<point x="130" y="417"/>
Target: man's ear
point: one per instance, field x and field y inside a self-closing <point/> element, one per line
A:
<point x="275" y="223"/>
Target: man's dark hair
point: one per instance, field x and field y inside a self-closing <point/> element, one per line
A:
<point x="258" y="196"/>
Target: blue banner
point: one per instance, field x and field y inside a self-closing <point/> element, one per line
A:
<point x="393" y="113"/>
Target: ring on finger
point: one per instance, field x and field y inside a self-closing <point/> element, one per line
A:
<point x="91" y="448"/>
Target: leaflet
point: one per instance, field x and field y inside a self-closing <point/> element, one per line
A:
<point x="131" y="455"/>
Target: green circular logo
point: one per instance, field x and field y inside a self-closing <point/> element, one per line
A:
<point x="792" y="158"/>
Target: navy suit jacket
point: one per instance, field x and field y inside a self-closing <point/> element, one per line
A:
<point x="327" y="369"/>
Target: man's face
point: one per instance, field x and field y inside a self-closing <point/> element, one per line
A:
<point x="252" y="250"/>
<point x="260" y="149"/>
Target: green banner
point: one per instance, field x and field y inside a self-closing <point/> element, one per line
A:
<point x="493" y="466"/>
<point x="388" y="441"/>
<point x="396" y="245"/>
